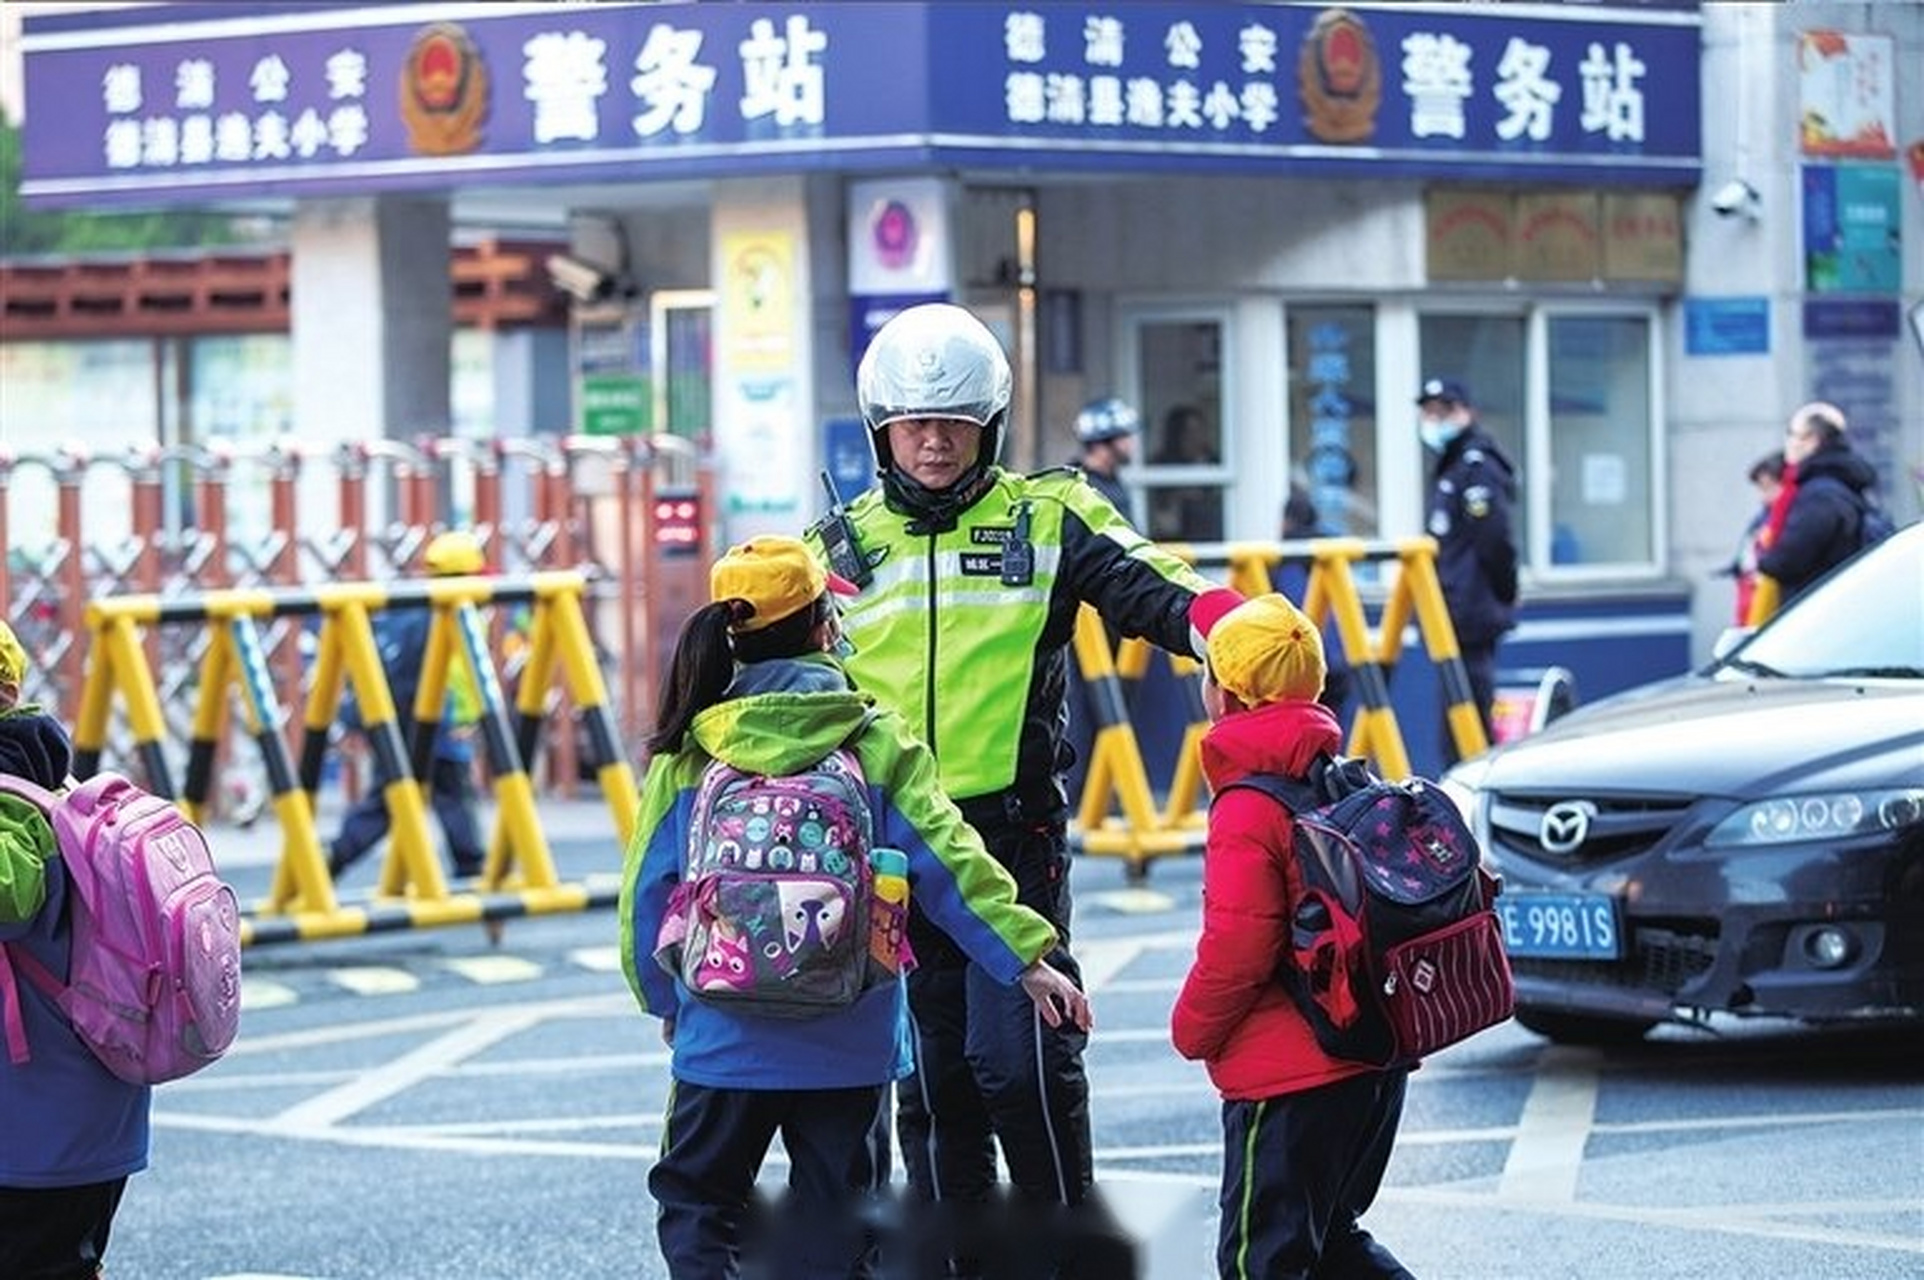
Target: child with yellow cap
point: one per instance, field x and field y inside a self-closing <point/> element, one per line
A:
<point x="401" y="635"/>
<point x="754" y="683"/>
<point x="74" y="1131"/>
<point x="1306" y="1137"/>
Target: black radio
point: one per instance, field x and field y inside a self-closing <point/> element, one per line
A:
<point x="839" y="543"/>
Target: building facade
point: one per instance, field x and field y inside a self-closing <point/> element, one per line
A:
<point x="1642" y="234"/>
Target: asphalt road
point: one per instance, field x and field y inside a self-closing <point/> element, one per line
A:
<point x="426" y="1105"/>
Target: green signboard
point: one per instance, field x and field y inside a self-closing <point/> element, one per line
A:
<point x="613" y="404"/>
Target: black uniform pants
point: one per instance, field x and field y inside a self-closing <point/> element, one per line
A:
<point x="450" y="794"/>
<point x="987" y="1068"/>
<point x="1298" y="1171"/>
<point x="56" y="1233"/>
<point x="708" y="1222"/>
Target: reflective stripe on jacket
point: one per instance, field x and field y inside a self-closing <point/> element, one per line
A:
<point x="980" y="666"/>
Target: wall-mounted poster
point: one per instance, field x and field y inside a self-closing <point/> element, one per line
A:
<point x="1852" y="237"/>
<point x="1847" y="101"/>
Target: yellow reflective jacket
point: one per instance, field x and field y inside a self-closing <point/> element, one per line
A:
<point x="979" y="665"/>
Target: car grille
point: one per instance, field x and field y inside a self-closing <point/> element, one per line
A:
<point x="1617" y="827"/>
<point x="1660" y="959"/>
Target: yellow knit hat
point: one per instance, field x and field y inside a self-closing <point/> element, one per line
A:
<point x="13" y="658"/>
<point x="776" y="575"/>
<point x="1266" y="650"/>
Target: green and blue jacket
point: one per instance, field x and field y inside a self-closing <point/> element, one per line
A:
<point x="779" y="717"/>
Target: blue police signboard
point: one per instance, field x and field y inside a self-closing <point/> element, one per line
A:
<point x="1727" y="326"/>
<point x="194" y="102"/>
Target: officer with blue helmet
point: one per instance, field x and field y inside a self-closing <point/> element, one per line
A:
<point x="1106" y="429"/>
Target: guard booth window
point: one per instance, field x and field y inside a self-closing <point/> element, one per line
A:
<point x="1184" y="459"/>
<point x="1332" y="406"/>
<point x="1568" y="392"/>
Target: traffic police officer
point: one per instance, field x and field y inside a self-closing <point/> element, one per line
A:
<point x="975" y="576"/>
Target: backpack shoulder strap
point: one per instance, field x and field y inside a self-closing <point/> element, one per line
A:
<point x="1330" y="778"/>
<point x="1294" y="794"/>
<point x="1340" y="776"/>
<point x="16" y="1027"/>
<point x="29" y="790"/>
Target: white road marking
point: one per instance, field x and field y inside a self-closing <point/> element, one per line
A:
<point x="601" y="959"/>
<point x="1547" y="1155"/>
<point x="258" y="993"/>
<point x="481" y="1031"/>
<point x="1133" y="902"/>
<point x="1103" y="958"/>
<point x="492" y="970"/>
<point x="374" y="980"/>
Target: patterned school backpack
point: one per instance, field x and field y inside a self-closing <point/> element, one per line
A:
<point x="153" y="977"/>
<point x="777" y="904"/>
<point x="1395" y="950"/>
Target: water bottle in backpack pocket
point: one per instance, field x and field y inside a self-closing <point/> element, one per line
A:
<point x="153" y="975"/>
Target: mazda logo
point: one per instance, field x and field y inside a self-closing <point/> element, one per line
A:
<point x="1565" y="826"/>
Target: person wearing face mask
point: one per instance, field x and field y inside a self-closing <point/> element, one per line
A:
<point x="977" y="574"/>
<point x="1472" y="491"/>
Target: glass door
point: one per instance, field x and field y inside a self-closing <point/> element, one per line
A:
<point x="1185" y="454"/>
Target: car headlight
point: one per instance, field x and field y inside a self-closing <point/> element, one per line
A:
<point x="1824" y="816"/>
<point x="1463" y="785"/>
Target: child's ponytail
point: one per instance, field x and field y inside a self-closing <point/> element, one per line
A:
<point x="698" y="676"/>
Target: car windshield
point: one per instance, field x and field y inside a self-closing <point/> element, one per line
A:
<point x="1866" y="620"/>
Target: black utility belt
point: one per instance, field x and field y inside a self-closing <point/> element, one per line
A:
<point x="1014" y="807"/>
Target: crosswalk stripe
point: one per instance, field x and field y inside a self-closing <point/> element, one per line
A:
<point x="374" y="980"/>
<point x="496" y="969"/>
<point x="258" y="993"/>
<point x="600" y="959"/>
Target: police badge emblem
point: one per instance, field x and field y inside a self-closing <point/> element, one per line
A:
<point x="1339" y="77"/>
<point x="444" y="91"/>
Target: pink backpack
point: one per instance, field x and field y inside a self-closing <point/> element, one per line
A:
<point x="154" y="975"/>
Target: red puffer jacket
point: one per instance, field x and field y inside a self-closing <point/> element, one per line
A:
<point x="1232" y="1013"/>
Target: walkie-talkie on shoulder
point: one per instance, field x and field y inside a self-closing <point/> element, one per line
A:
<point x="837" y="532"/>
<point x="1018" y="553"/>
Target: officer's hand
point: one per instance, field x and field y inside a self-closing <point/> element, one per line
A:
<point x="1054" y="995"/>
<point x="668" y="1032"/>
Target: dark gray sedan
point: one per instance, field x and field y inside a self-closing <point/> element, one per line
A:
<point x="1746" y="839"/>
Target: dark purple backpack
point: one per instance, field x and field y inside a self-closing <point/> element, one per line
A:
<point x="1394" y="949"/>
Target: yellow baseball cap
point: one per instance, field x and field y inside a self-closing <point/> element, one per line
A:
<point x="1266" y="650"/>
<point x="776" y="576"/>
<point x="454" y="552"/>
<point x="13" y="658"/>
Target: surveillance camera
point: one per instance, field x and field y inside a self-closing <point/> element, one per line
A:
<point x="584" y="281"/>
<point x="1735" y="197"/>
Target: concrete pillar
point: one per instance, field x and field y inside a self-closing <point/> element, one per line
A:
<point x="372" y="318"/>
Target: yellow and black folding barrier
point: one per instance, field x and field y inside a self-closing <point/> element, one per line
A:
<point x="1116" y="769"/>
<point x="1116" y="772"/>
<point x="518" y="877"/>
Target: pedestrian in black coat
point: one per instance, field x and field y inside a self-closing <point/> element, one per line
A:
<point x="1472" y="493"/>
<point x="1824" y="524"/>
